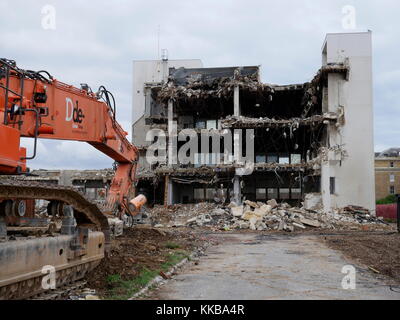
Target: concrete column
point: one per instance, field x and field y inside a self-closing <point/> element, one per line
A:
<point x="3" y="228"/>
<point x="147" y="102"/>
<point x="172" y="136"/>
<point x="236" y="104"/>
<point x="168" y="191"/>
<point x="66" y="178"/>
<point x="325" y="187"/>
<point x="170" y="110"/>
<point x="237" y="194"/>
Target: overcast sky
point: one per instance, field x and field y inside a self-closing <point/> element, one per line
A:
<point x="95" y="42"/>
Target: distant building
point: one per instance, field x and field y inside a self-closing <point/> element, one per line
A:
<point x="387" y="173"/>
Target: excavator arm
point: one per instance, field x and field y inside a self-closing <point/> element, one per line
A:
<point x="35" y="105"/>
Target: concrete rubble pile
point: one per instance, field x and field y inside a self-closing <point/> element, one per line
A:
<point x="84" y="294"/>
<point x="272" y="216"/>
<point x="178" y="215"/>
<point x="283" y="217"/>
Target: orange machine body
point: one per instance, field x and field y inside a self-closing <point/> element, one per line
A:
<point x="38" y="107"/>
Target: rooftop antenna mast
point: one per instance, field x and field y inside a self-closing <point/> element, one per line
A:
<point x="158" y="42"/>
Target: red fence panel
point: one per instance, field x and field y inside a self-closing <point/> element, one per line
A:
<point x="388" y="211"/>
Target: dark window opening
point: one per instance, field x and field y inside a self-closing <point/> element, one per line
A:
<point x="332" y="185"/>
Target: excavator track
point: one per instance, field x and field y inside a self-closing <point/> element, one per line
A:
<point x="72" y="255"/>
<point x="85" y="210"/>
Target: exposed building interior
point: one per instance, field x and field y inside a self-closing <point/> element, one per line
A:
<point x="289" y="131"/>
<point x="297" y="134"/>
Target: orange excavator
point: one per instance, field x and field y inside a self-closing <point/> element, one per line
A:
<point x="74" y="233"/>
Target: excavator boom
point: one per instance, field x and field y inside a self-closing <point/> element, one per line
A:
<point x="35" y="105"/>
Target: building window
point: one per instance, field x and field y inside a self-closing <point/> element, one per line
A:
<point x="91" y="193"/>
<point x="261" y="158"/>
<point x="283" y="160"/>
<point x="284" y="193"/>
<point x="201" y="124"/>
<point x="210" y="194"/>
<point x="203" y="159"/>
<point x="295" y="158"/>
<point x="332" y="185"/>
<point x="272" y="158"/>
<point x="198" y="194"/>
<point x="261" y="194"/>
<point x="392" y="178"/>
<point x="272" y="193"/>
<point x="212" y="159"/>
<point x="391" y="189"/>
<point x="296" y="193"/>
<point x="211" y="124"/>
<point x="392" y="164"/>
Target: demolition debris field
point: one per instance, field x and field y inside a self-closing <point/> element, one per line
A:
<point x="172" y="234"/>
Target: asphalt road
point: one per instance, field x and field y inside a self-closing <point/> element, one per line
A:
<point x="254" y="266"/>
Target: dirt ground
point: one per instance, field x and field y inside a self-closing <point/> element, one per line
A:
<point x="138" y="249"/>
<point x="379" y="251"/>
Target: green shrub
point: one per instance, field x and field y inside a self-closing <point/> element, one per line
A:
<point x="172" y="245"/>
<point x="388" y="200"/>
<point x="123" y="289"/>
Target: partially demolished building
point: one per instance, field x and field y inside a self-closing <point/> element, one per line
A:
<point x="95" y="184"/>
<point x="309" y="142"/>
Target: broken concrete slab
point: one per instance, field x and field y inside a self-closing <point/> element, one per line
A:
<point x="261" y="226"/>
<point x="311" y="223"/>
<point x="263" y="210"/>
<point x="218" y="212"/>
<point x="191" y="220"/>
<point x="243" y="225"/>
<point x="289" y="228"/>
<point x="272" y="203"/>
<point x="282" y="225"/>
<point x="252" y="204"/>
<point x="313" y="201"/>
<point x="299" y="225"/>
<point x="253" y="221"/>
<point x="116" y="226"/>
<point x="250" y="214"/>
<point x="237" y="211"/>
